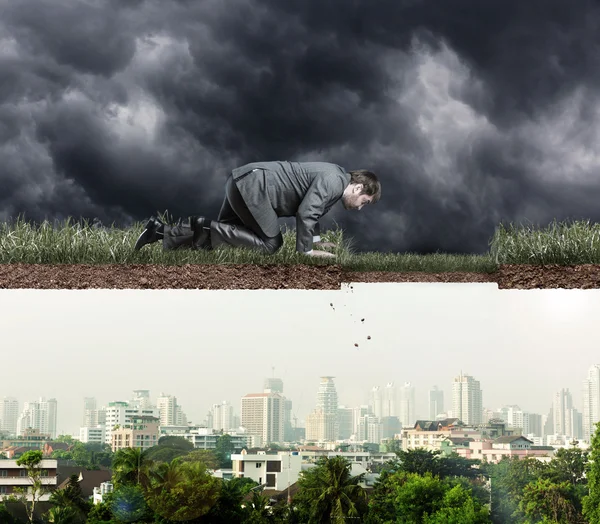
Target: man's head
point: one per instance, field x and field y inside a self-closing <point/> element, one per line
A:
<point x="364" y="188"/>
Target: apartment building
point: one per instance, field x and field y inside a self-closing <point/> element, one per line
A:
<point x="14" y="476"/>
<point x="142" y="432"/>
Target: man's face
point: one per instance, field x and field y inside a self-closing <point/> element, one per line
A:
<point x="354" y="199"/>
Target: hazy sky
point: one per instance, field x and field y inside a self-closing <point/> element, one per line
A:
<point x="208" y="346"/>
<point x="471" y="112"/>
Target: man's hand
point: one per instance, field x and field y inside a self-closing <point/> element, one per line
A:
<point x="324" y="245"/>
<point x="322" y="254"/>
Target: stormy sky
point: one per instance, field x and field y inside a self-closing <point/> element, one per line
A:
<point x="471" y="113"/>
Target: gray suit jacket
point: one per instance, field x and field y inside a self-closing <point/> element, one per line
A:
<point x="306" y="190"/>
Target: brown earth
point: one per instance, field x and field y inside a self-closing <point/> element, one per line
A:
<point x="189" y="276"/>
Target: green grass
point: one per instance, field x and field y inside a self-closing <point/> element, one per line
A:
<point x="74" y="243"/>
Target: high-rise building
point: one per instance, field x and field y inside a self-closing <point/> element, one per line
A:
<point x="358" y="413"/>
<point x="9" y="415"/>
<point x="141" y="399"/>
<point x="288" y="428"/>
<point x="274" y="385"/>
<point x="322" y="423"/>
<point x="263" y="416"/>
<point x="436" y="402"/>
<point x="222" y="416"/>
<point x="408" y="416"/>
<point x="389" y="404"/>
<point x="564" y="414"/>
<point x="167" y="408"/>
<point x="40" y="415"/>
<point x="591" y="402"/>
<point x="376" y="401"/>
<point x="89" y="405"/>
<point x="467" y="402"/>
<point x="345" y="422"/>
<point x="120" y="413"/>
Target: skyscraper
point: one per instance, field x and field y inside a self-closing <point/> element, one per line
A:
<point x="322" y="423"/>
<point x="467" y="403"/>
<point x="89" y="405"/>
<point x="376" y="401"/>
<point x="263" y="416"/>
<point x="408" y="416"/>
<point x="436" y="402"/>
<point x="565" y="416"/>
<point x="274" y="384"/>
<point x="141" y="399"/>
<point x="9" y="414"/>
<point x="591" y="402"/>
<point x="167" y="408"/>
<point x="222" y="416"/>
<point x="389" y="401"/>
<point x="40" y="415"/>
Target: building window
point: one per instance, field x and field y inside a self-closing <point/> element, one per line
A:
<point x="3" y="489"/>
<point x="23" y="473"/>
<point x="258" y="464"/>
<point x="3" y="473"/>
<point x="274" y="466"/>
<point x="270" y="480"/>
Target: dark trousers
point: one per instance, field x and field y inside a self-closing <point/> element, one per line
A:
<point x="235" y="226"/>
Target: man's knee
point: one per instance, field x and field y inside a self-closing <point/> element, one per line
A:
<point x="274" y="244"/>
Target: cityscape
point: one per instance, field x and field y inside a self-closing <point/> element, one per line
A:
<point x="266" y="417"/>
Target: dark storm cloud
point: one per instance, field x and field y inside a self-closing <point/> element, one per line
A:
<point x="471" y="112"/>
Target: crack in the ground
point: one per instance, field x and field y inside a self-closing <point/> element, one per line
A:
<point x="244" y="276"/>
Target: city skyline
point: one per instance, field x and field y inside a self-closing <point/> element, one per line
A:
<point x="424" y="334"/>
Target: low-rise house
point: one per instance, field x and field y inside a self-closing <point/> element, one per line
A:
<point x="274" y="470"/>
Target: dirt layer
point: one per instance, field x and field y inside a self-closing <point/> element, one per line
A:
<point x="189" y="276"/>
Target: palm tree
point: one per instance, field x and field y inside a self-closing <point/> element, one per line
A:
<point x="329" y="493"/>
<point x="63" y="515"/>
<point x="131" y="466"/>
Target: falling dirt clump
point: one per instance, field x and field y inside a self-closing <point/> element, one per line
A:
<point x="248" y="276"/>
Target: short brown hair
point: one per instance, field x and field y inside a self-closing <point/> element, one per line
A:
<point x="369" y="181"/>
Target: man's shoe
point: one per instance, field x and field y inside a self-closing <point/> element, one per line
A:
<point x="201" y="228"/>
<point x="153" y="232"/>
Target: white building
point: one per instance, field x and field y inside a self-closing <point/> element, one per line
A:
<point x="263" y="415"/>
<point x="275" y="471"/>
<point x="96" y="435"/>
<point x="222" y="416"/>
<point x="120" y="413"/>
<point x="167" y="408"/>
<point x="389" y="401"/>
<point x="467" y="403"/>
<point x="408" y="414"/>
<point x="40" y="415"/>
<point x="591" y="402"/>
<point x="376" y="401"/>
<point x="9" y="415"/>
<point x="370" y="429"/>
<point x="104" y="489"/>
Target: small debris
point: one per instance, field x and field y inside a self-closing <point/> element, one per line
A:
<point x="362" y="319"/>
<point x="355" y="345"/>
<point x="369" y="337"/>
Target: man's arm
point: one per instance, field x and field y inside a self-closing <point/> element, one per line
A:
<point x="310" y="211"/>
